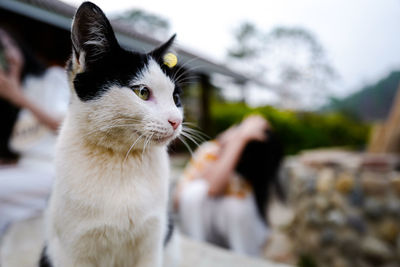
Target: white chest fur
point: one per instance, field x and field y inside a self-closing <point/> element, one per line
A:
<point x="105" y="210"/>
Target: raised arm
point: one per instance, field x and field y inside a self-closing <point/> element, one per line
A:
<point x="10" y="84"/>
<point x="233" y="143"/>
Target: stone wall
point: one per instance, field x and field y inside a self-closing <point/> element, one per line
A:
<point x="346" y="209"/>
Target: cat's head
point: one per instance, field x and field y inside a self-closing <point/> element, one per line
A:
<point x="120" y="96"/>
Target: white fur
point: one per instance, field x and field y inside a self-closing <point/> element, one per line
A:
<point x="109" y="200"/>
<point x="96" y="31"/>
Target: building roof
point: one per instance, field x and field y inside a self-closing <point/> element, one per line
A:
<point x="60" y="14"/>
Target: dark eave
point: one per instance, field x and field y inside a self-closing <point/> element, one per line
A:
<point x="60" y="14"/>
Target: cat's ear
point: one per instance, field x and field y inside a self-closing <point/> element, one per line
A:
<point x="163" y="49"/>
<point x="92" y="35"/>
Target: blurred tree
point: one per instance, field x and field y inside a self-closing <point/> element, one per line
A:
<point x="289" y="61"/>
<point x="146" y="23"/>
<point x="246" y="37"/>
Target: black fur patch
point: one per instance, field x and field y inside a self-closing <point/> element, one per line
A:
<point x="170" y="230"/>
<point x="118" y="67"/>
<point x="44" y="260"/>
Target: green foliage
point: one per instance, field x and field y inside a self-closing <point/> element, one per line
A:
<point x="298" y="130"/>
<point x="306" y="261"/>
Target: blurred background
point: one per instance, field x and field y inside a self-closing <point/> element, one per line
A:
<point x="325" y="74"/>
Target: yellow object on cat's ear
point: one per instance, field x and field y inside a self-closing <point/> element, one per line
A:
<point x="170" y="60"/>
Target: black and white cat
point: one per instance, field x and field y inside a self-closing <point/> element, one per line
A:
<point x="108" y="206"/>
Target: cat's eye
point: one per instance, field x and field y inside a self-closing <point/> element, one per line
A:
<point x="142" y="91"/>
<point x="177" y="100"/>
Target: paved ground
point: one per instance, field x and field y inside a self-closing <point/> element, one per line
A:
<point x="21" y="246"/>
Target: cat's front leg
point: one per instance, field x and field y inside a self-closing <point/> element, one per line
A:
<point x="150" y="250"/>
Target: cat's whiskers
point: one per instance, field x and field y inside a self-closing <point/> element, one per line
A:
<point x="187" y="83"/>
<point x="115" y="124"/>
<point x="130" y="149"/>
<point x="194" y="135"/>
<point x="182" y="67"/>
<point x="147" y="141"/>
<point x="186" y="145"/>
<point x="187" y="80"/>
<point x="109" y="128"/>
<point x="189" y="123"/>
<point x="195" y="132"/>
<point x="186" y="76"/>
<point x="192" y="77"/>
<point x="127" y="120"/>
<point x="188" y="136"/>
<point x="188" y="70"/>
<point x="193" y="128"/>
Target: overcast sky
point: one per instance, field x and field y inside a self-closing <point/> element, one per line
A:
<point x="360" y="37"/>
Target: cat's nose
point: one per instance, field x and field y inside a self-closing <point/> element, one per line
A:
<point x="175" y="123"/>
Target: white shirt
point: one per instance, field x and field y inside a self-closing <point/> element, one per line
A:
<point x="24" y="187"/>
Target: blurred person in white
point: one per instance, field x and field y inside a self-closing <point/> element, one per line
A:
<point x="224" y="193"/>
<point x="33" y="101"/>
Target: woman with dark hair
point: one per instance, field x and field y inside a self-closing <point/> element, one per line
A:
<point x="33" y="100"/>
<point x="225" y="189"/>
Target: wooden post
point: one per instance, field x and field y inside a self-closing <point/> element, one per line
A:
<point x="376" y="139"/>
<point x="387" y="138"/>
<point x="205" y="94"/>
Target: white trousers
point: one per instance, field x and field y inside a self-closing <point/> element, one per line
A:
<point x="226" y="221"/>
<point x="23" y="193"/>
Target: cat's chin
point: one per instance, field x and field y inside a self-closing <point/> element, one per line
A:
<point x="164" y="140"/>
